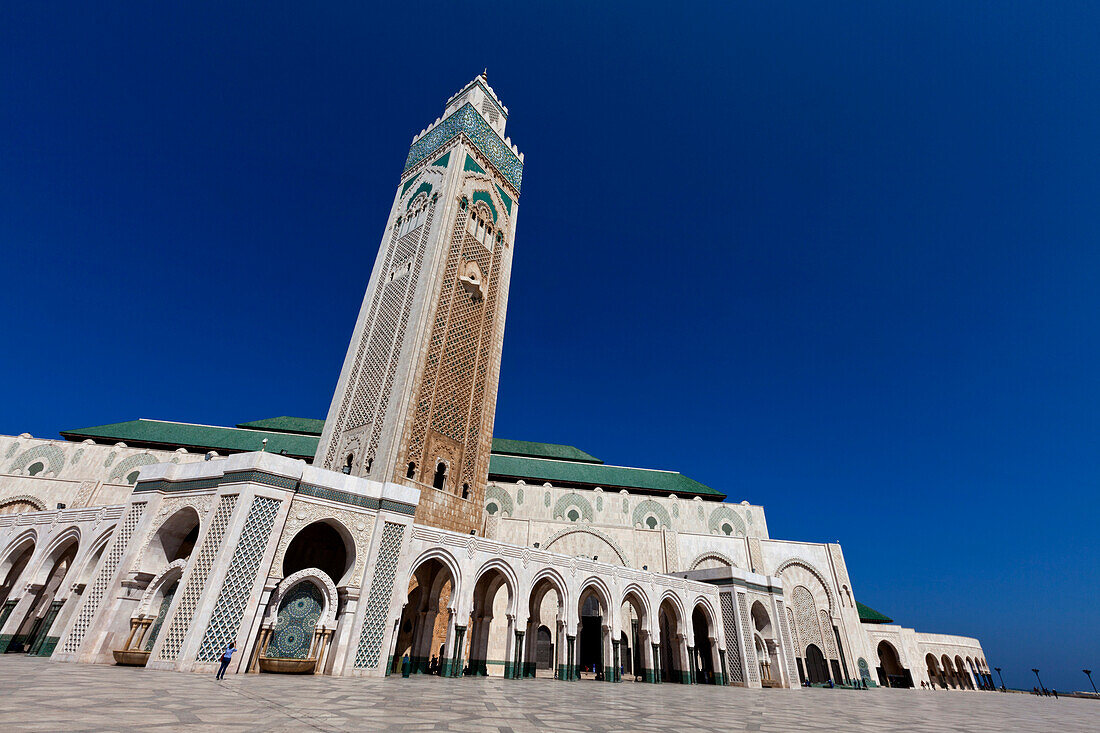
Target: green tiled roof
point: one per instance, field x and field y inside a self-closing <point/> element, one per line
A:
<point x="869" y="615"/>
<point x="305" y="425"/>
<point x="526" y="448"/>
<point x="158" y="433"/>
<point x="570" y="473"/>
<point x="562" y="465"/>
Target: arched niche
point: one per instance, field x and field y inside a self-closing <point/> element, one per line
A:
<point x="174" y="540"/>
<point x="326" y="545"/>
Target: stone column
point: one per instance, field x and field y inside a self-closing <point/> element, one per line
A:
<point x="656" y="647"/>
<point x="725" y="672"/>
<point x="561" y="653"/>
<point x="10" y="630"/>
<point x="614" y="660"/>
<point x="571" y="665"/>
<point x="456" y="660"/>
<point x="531" y="651"/>
<point x="517" y="669"/>
<point x="448" y="646"/>
<point x="691" y="665"/>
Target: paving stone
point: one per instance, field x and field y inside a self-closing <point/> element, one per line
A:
<point x="39" y="695"/>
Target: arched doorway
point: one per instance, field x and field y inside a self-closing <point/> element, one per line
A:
<point x="593" y="655"/>
<point x="767" y="650"/>
<point x="42" y="611"/>
<point x="891" y="671"/>
<point x="634" y="640"/>
<point x="427" y="622"/>
<point x="704" y="653"/>
<point x="935" y="676"/>
<point x="817" y="671"/>
<point x="949" y="671"/>
<point x="545" y="654"/>
<point x="16" y="563"/>
<point x="492" y="636"/>
<point x="672" y="663"/>
<point x="544" y="649"/>
<point x="964" y="678"/>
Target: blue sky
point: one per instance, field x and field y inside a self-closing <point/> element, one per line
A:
<point x="837" y="261"/>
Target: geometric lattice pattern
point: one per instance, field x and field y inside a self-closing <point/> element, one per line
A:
<point x="359" y="402"/>
<point x="240" y="579"/>
<point x="457" y="387"/>
<point x="400" y="294"/>
<point x="756" y="557"/>
<point x="298" y="614"/>
<point x="650" y="507"/>
<point x="792" y="668"/>
<point x="48" y="454"/>
<point x="573" y="501"/>
<point x="830" y="637"/>
<point x="103" y="579"/>
<point x="746" y="636"/>
<point x="805" y="617"/>
<point x="724" y="515"/>
<point x="378" y="600"/>
<point x="729" y="625"/>
<point x="196" y="583"/>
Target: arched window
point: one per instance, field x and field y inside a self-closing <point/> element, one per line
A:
<point x="440" y="479"/>
<point x="347" y="463"/>
<point x="410" y="472"/>
<point x="370" y="462"/>
<point x="36" y="468"/>
<point x="492" y="508"/>
<point x="465" y="491"/>
<point x="132" y="477"/>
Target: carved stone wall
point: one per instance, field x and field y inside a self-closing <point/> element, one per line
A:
<point x="304" y="513"/>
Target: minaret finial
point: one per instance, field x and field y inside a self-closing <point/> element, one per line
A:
<point x="485" y="74"/>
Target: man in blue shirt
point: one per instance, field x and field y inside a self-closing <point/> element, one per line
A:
<point x="227" y="657"/>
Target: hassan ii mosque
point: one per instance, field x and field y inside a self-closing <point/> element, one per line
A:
<point x="399" y="525"/>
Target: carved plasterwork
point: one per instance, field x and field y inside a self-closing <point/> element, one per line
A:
<point x="320" y="579"/>
<point x="144" y="607"/>
<point x="802" y="574"/>
<point x="169" y="506"/>
<point x="84" y="494"/>
<point x="304" y="513"/>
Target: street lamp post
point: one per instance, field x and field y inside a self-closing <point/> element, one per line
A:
<point x="1088" y="673"/>
<point x="999" y="675"/>
<point x="1041" y="687"/>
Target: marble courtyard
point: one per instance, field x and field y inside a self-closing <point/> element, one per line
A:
<point x="80" y="698"/>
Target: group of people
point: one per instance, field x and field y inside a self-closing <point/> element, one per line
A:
<point x="1044" y="692"/>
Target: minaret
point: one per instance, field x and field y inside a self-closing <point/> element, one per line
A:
<point x="417" y="392"/>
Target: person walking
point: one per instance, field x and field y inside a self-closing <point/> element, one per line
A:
<point x="227" y="657"/>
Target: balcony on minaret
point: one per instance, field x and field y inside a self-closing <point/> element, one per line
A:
<point x="472" y="281"/>
<point x="482" y="98"/>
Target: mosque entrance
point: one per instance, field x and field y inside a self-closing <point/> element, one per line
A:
<point x="590" y="640"/>
<point x="703" y="659"/>
<point x="544" y="652"/>
<point x="890" y="671"/>
<point x="816" y="668"/>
